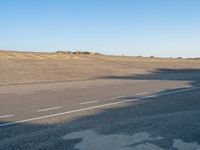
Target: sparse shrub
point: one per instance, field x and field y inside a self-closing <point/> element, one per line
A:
<point x="96" y="53"/>
<point x="78" y="52"/>
<point x="139" y="56"/>
<point x="61" y="52"/>
<point x="86" y="53"/>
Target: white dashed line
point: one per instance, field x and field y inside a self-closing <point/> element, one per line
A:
<point x="186" y="86"/>
<point x="150" y="96"/>
<point x="118" y="97"/>
<point x="176" y="87"/>
<point x="89" y="102"/>
<point x="94" y="107"/>
<point x="46" y="109"/>
<point x="6" y="116"/>
<point x="160" y="90"/>
<point x="141" y="93"/>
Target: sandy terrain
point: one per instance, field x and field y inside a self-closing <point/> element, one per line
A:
<point x="26" y="67"/>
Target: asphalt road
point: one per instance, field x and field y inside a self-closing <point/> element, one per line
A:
<point x="108" y="113"/>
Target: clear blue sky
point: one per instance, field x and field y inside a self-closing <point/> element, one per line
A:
<point x="166" y="28"/>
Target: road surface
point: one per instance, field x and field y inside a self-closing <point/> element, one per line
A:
<point x="107" y="113"/>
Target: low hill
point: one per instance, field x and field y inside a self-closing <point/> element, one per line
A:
<point x="26" y="67"/>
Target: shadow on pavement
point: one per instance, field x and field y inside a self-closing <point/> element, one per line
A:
<point x="168" y="122"/>
<point x="191" y="75"/>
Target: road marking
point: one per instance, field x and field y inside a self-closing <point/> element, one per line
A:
<point x="150" y="96"/>
<point x="118" y="97"/>
<point x="176" y="87"/>
<point x="90" y="108"/>
<point x="141" y="93"/>
<point x="6" y="116"/>
<point x="186" y="86"/>
<point x="178" y="91"/>
<point x="46" y="109"/>
<point x="160" y="90"/>
<point x="95" y="101"/>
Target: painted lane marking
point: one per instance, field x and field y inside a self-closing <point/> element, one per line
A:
<point x="6" y="116"/>
<point x="150" y="96"/>
<point x="160" y="90"/>
<point x="90" y="108"/>
<point x="118" y="97"/>
<point x="179" y="87"/>
<point x="46" y="109"/>
<point x="178" y="91"/>
<point x="89" y="102"/>
<point x="141" y="93"/>
<point x="186" y="86"/>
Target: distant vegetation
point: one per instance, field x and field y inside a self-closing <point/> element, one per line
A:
<point x="88" y="53"/>
<point x="78" y="52"/>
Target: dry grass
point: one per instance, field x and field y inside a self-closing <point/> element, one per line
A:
<point x="17" y="67"/>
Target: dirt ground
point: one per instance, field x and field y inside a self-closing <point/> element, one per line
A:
<point x="27" y="67"/>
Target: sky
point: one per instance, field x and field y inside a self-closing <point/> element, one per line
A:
<point x="162" y="28"/>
